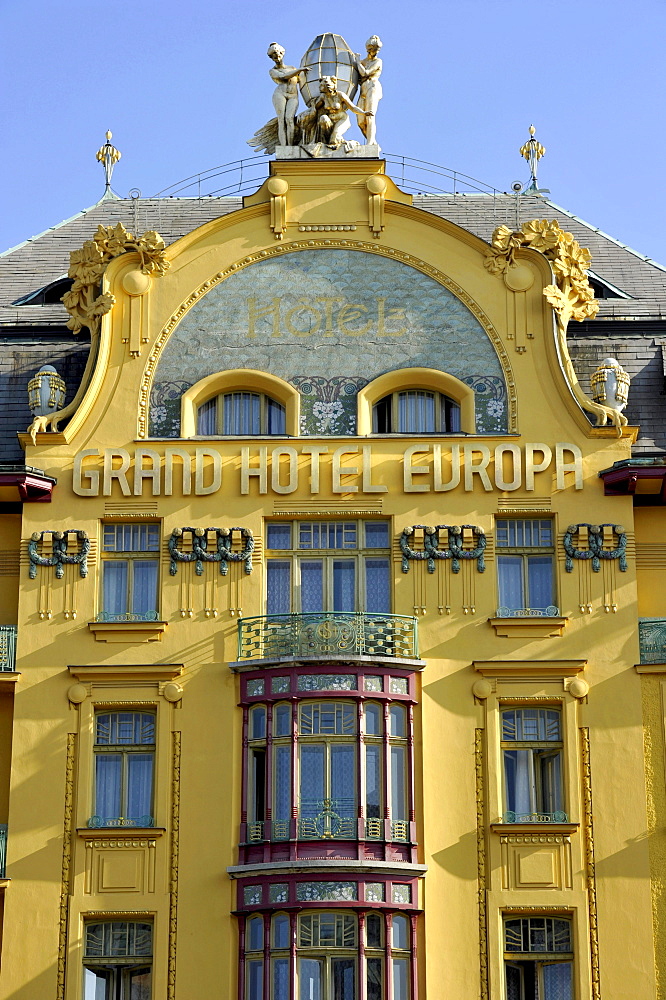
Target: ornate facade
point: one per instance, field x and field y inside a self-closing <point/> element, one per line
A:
<point x="323" y="678"/>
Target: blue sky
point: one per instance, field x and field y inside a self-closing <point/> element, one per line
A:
<point x="183" y="85"/>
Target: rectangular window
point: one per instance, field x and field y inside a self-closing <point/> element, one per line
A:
<point x="538" y="958"/>
<point x="318" y="582"/>
<point x="525" y="567"/>
<point x="117" y="960"/>
<point x="129" y="573"/>
<point x="124" y="753"/>
<point x="532" y="755"/>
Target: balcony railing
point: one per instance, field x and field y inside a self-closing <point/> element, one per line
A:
<point x="328" y="633"/>
<point x="3" y="850"/>
<point x="327" y="825"/>
<point x="550" y="612"/>
<point x="129" y="616"/>
<point x="554" y="817"/>
<point x="99" y="822"/>
<point x="652" y="638"/>
<point x="7" y="647"/>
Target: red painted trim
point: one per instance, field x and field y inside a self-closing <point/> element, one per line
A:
<point x="622" y="482"/>
<point x="31" y="487"/>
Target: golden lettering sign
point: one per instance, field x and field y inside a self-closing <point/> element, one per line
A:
<point x="349" y="468"/>
<point x="328" y="316"/>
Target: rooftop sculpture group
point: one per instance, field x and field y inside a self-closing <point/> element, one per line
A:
<point x="328" y="78"/>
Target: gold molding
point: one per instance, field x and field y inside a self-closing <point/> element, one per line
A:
<point x="650" y="668"/>
<point x="590" y="873"/>
<point x="127" y="672"/>
<point x="173" y="882"/>
<point x="534" y="830"/>
<point x="294" y="246"/>
<point x="539" y="909"/>
<point x="141" y="833"/>
<point x="66" y="865"/>
<point x="127" y="631"/>
<point x="535" y="628"/>
<point x="481" y="864"/>
<point x="536" y="669"/>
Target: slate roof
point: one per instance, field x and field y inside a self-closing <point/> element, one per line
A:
<point x="632" y="328"/>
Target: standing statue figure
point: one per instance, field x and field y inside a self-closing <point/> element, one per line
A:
<point x="285" y="97"/>
<point x="327" y="119"/>
<point x="369" y="70"/>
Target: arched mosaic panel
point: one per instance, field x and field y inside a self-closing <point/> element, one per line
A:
<point x="328" y="321"/>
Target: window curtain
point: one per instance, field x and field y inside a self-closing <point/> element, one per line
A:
<point x="255" y="979"/>
<point x="377" y="587"/>
<point x="400" y="979"/>
<point x="115" y="587"/>
<point x="540" y="581"/>
<point x="344" y="585"/>
<point x="373" y="781"/>
<point x="312" y="780"/>
<point x="144" y="586"/>
<point x="282" y="792"/>
<point x="519" y="781"/>
<point x="309" y="978"/>
<point x="398" y="797"/>
<point x="510" y="578"/>
<point x="557" y="983"/>
<point x="108" y="780"/>
<point x="207" y="418"/>
<point x="416" y="412"/>
<point x="139" y="785"/>
<point x="343" y="780"/>
<point x="242" y="413"/>
<point x="278" y="587"/>
<point x="280" y="979"/>
<point x="312" y="586"/>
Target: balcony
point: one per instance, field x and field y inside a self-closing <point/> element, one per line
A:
<point x="7" y="647"/>
<point x="652" y="639"/>
<point x="3" y="850"/>
<point x="326" y="634"/>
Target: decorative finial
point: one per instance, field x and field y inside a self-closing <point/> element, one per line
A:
<point x="108" y="156"/>
<point x="532" y="150"/>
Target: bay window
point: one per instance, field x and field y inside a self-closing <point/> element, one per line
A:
<point x="350" y="772"/>
<point x="330" y="952"/>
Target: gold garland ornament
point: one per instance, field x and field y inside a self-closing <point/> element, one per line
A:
<point x="571" y="297"/>
<point x="86" y="304"/>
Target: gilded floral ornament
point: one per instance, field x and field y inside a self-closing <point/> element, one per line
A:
<point x="86" y="304"/>
<point x="571" y="297"/>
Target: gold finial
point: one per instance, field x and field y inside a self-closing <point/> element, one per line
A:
<point x="532" y="150"/>
<point x="108" y="156"/>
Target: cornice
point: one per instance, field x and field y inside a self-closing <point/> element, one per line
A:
<point x="309" y="866"/>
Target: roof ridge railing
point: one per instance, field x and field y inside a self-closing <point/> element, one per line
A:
<point x="244" y="176"/>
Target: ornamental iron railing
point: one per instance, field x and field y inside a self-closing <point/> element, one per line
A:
<point x="535" y="817"/>
<point x="652" y="639"/>
<point x="8" y="647"/>
<point x="327" y="824"/>
<point x="139" y="616"/>
<point x="332" y="633"/>
<point x="3" y="850"/>
<point x="552" y="611"/>
<point x="97" y="822"/>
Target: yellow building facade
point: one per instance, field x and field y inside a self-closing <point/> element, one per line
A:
<point x="325" y="684"/>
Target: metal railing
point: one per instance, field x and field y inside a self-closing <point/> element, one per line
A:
<point x="144" y="616"/>
<point x="98" y="822"/>
<point x="244" y="176"/>
<point x="3" y="850"/>
<point x="552" y="611"/>
<point x="328" y="633"/>
<point x="535" y="817"/>
<point x="652" y="639"/>
<point x="327" y="825"/>
<point x="8" y="647"/>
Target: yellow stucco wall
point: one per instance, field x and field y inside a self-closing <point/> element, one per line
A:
<point x="458" y="791"/>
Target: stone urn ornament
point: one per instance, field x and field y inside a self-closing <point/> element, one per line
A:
<point x="46" y="392"/>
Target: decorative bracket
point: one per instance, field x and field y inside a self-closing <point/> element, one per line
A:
<point x="278" y="188"/>
<point x="200" y="553"/>
<point x="376" y="186"/>
<point x="60" y="556"/>
<point x="454" y="551"/>
<point x="595" y="550"/>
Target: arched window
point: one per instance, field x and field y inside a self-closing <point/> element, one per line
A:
<point x="416" y="411"/>
<point x="416" y="401"/>
<point x="242" y="413"/>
